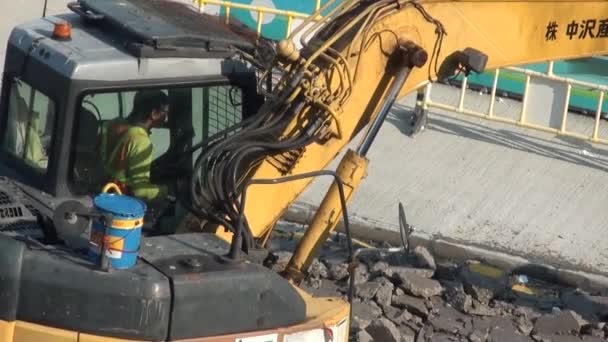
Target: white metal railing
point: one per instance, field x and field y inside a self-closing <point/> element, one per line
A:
<point x="260" y="10"/>
<point x="522" y="121"/>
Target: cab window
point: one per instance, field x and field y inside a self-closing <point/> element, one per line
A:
<point x="29" y="125"/>
<point x="199" y="112"/>
<point x="222" y="108"/>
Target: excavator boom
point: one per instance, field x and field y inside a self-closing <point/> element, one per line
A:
<point x="354" y="63"/>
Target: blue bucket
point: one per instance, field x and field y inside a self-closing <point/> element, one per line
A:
<point x="122" y="235"/>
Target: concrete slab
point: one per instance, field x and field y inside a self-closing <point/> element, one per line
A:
<point x="490" y="184"/>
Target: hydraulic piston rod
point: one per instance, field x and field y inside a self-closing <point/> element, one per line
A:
<point x="351" y="170"/>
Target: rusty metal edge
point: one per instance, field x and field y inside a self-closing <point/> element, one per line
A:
<point x="458" y="251"/>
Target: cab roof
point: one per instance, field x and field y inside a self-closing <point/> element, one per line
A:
<point x="116" y="40"/>
<point x="165" y="28"/>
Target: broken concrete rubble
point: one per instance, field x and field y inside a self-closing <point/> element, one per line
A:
<point x="361" y="274"/>
<point x="475" y="337"/>
<point x="384" y="293"/>
<point x="420" y="286"/>
<point x="565" y="338"/>
<point x="526" y="312"/>
<point x="317" y="269"/>
<point x="383" y="329"/>
<point x="524" y="325"/>
<point x="402" y="273"/>
<point x="380" y="268"/>
<point x="364" y="336"/>
<point x="499" y="335"/>
<point x="279" y="260"/>
<point x="397" y="316"/>
<point x="589" y="307"/>
<point x="455" y="296"/>
<point x="443" y="338"/>
<point x="412" y="304"/>
<point x="449" y="320"/>
<point x="595" y="330"/>
<point x="407" y="334"/>
<point x="414" y="297"/>
<point x="482" y="282"/>
<point x="424" y="258"/>
<point x="446" y="270"/>
<point x="565" y="322"/>
<point x="365" y="313"/>
<point x="480" y="309"/>
<point x="368" y="290"/>
<point x="338" y="270"/>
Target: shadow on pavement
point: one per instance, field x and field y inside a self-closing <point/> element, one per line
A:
<point x="560" y="148"/>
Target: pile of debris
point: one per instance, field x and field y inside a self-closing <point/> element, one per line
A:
<point x="411" y="297"/>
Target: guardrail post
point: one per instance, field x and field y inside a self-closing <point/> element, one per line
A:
<point x="524" y="104"/>
<point x="289" y="22"/>
<point x="463" y="90"/>
<point x="228" y="15"/>
<point x="565" y="114"/>
<point x="550" y="68"/>
<point x="259" y="23"/>
<point x="427" y="96"/>
<point x="598" y="114"/>
<point x="493" y="93"/>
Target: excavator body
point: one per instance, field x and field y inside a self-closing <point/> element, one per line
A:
<point x="238" y="148"/>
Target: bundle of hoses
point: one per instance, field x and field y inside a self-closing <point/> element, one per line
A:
<point x="227" y="160"/>
<point x="225" y="163"/>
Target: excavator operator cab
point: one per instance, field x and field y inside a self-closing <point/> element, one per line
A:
<point x="67" y="75"/>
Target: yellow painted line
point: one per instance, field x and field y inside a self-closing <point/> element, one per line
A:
<point x="523" y="289"/>
<point x="486" y="270"/>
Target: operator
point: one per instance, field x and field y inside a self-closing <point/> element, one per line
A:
<point x="126" y="148"/>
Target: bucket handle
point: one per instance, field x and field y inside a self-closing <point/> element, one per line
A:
<point x="111" y="186"/>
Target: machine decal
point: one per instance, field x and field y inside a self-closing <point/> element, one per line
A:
<point x="602" y="31"/>
<point x="10" y="212"/>
<point x="551" y="31"/>
<point x="95" y="240"/>
<point x="115" y="247"/>
<point x="585" y="29"/>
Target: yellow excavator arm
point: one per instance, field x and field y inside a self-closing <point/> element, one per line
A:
<point x="355" y="62"/>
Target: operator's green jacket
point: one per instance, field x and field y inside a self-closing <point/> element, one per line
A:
<point x="126" y="152"/>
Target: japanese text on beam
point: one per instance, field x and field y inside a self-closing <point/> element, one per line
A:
<point x="584" y="29"/>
